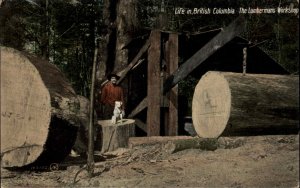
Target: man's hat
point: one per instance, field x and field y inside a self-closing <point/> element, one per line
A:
<point x="113" y="75"/>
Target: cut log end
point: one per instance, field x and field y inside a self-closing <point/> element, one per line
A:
<point x="21" y="106"/>
<point x="211" y="105"/>
<point x="36" y="101"/>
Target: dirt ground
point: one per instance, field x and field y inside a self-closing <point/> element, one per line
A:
<point x="261" y="161"/>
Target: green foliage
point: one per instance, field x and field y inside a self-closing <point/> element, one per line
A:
<point x="12" y="26"/>
<point x="62" y="31"/>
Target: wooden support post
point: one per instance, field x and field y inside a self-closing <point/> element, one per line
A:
<point x="141" y="124"/>
<point x="154" y="87"/>
<point x="134" y="61"/>
<point x="172" y="64"/>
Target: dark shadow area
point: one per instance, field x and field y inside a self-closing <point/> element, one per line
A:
<point x="259" y="131"/>
<point x="263" y="131"/>
<point x="61" y="138"/>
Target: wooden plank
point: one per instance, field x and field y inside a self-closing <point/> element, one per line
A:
<point x="132" y="65"/>
<point x="143" y="104"/>
<point x="123" y="71"/>
<point x="235" y="28"/>
<point x="134" y="61"/>
<point x="141" y="124"/>
<point x="153" y="86"/>
<point x="172" y="62"/>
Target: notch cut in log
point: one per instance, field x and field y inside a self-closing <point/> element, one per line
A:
<point x="226" y="35"/>
<point x="38" y="111"/>
<point x="233" y="104"/>
<point x="116" y="135"/>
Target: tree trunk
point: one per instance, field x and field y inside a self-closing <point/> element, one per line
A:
<point x="126" y="26"/>
<point x="38" y="111"/>
<point x="116" y="135"/>
<point x="126" y="23"/>
<point x="233" y="104"/>
<point x="107" y="42"/>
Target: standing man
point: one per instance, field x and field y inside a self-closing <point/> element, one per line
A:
<point x="110" y="93"/>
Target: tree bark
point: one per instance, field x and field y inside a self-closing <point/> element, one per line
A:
<point x="107" y="42"/>
<point x="38" y="111"/>
<point x="127" y="24"/>
<point x="233" y="104"/>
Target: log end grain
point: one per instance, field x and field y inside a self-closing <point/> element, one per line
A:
<point x="38" y="111"/>
<point x="211" y="105"/>
<point x="22" y="105"/>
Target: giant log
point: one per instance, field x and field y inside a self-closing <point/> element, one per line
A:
<point x="252" y="104"/>
<point x="38" y="111"/>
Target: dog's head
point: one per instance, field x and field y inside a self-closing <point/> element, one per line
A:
<point x="118" y="104"/>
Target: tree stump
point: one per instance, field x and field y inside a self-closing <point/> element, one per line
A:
<point x="116" y="135"/>
<point x="38" y="111"/>
<point x="251" y="104"/>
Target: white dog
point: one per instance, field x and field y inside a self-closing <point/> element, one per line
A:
<point x="118" y="113"/>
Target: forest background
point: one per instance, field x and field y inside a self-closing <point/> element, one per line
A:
<point x="66" y="32"/>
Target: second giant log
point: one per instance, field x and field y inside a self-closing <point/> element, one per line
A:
<point x="252" y="104"/>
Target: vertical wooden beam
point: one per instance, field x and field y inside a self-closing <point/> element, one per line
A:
<point x="165" y="98"/>
<point x="154" y="87"/>
<point x="172" y="64"/>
